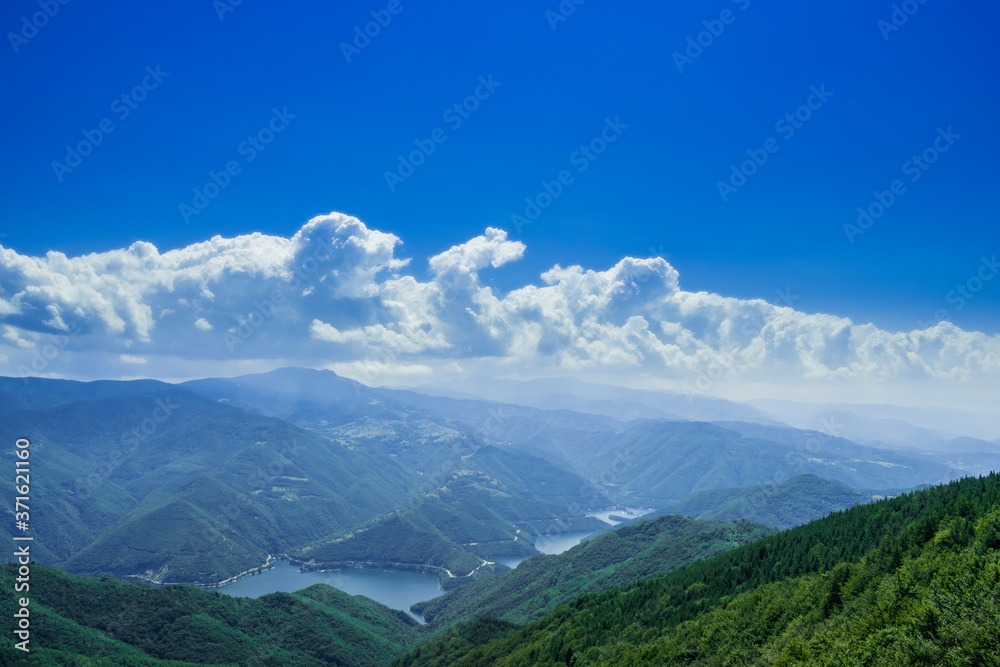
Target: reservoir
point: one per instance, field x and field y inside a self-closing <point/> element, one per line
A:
<point x="560" y="542"/>
<point x="397" y="589"/>
<point x="549" y="545"/>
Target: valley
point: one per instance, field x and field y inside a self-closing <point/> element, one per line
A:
<point x="522" y="334"/>
<point x="442" y="510"/>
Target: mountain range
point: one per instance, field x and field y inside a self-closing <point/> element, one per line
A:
<point x="206" y="480"/>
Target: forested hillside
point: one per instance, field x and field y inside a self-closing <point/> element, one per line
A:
<point x="616" y="559"/>
<point x="783" y="505"/>
<point x="913" y="580"/>
<point x="148" y="479"/>
<point x="170" y="482"/>
<point x="132" y="624"/>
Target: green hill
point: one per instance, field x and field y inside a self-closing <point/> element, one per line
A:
<point x="147" y="479"/>
<point x="483" y="510"/>
<point x="786" y="504"/>
<point x="434" y="535"/>
<point x="199" y="488"/>
<point x="110" y="620"/>
<point x="913" y="580"/>
<point x="666" y="461"/>
<point x="614" y="560"/>
<point x="32" y="393"/>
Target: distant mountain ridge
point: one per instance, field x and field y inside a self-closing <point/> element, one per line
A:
<point x="175" y="486"/>
<point x="618" y="402"/>
<point x="899" y="426"/>
<point x="205" y="480"/>
<point x="786" y="504"/>
<point x="175" y="483"/>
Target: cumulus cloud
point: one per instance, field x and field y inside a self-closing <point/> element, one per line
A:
<point x="336" y="295"/>
<point x="492" y="248"/>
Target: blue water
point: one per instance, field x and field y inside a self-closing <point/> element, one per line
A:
<point x="560" y="542"/>
<point x="509" y="561"/>
<point x="550" y="545"/>
<point x="397" y="589"/>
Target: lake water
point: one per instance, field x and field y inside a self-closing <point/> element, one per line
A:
<point x="397" y="589"/>
<point x="549" y="545"/>
<point x="509" y="561"/>
<point x="560" y="542"/>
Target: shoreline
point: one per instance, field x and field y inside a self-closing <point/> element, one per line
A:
<point x="264" y="567"/>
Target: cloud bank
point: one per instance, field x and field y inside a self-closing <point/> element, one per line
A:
<point x="336" y="295"/>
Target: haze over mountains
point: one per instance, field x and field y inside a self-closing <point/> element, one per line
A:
<point x="204" y="480"/>
<point x="560" y="334"/>
<point x="340" y="294"/>
<point x="210" y="480"/>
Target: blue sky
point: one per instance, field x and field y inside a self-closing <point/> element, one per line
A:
<point x="892" y="92"/>
<point x="654" y="188"/>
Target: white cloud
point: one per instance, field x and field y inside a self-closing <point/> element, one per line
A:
<point x="336" y="295"/>
<point x="493" y="248"/>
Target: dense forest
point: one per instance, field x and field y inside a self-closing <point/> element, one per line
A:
<point x="785" y="504"/>
<point x="913" y="580"/>
<point x="215" y="488"/>
<point x="616" y="559"/>
<point x="123" y="623"/>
